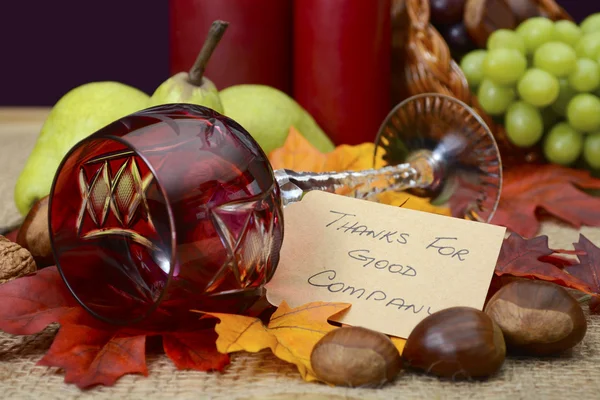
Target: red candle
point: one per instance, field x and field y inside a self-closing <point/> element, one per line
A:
<point x="256" y="48"/>
<point x="342" y="65"/>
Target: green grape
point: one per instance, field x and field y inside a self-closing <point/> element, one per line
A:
<point x="588" y="46"/>
<point x="555" y="57"/>
<point x="535" y="32"/>
<point x="567" y="32"/>
<point x="493" y="98"/>
<point x="472" y="66"/>
<point x="506" y="39"/>
<point x="583" y="112"/>
<point x="591" y="150"/>
<point x="586" y="76"/>
<point x="504" y="66"/>
<point x="591" y="23"/>
<point x="563" y="144"/>
<point x="523" y="124"/>
<point x="565" y="94"/>
<point x="538" y="88"/>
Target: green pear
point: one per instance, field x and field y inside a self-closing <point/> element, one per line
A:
<point x="193" y="87"/>
<point x="268" y="113"/>
<point x="79" y="113"/>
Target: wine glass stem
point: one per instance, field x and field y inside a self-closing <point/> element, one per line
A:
<point x="361" y="184"/>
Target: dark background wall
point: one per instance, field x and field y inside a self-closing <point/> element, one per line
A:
<point x="579" y="9"/>
<point x="50" y="47"/>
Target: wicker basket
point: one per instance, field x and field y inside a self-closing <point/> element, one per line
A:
<point x="422" y="63"/>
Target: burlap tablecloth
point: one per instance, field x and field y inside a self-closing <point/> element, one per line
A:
<point x="262" y="376"/>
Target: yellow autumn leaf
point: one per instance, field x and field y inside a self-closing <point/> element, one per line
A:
<point x="406" y="200"/>
<point x="399" y="343"/>
<point x="291" y="334"/>
<point x="298" y="154"/>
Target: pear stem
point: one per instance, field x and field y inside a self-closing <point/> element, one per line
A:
<point x="215" y="33"/>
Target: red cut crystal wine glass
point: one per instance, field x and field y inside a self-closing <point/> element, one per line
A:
<point x="176" y="207"/>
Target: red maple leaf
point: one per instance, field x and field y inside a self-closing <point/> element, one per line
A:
<point x="91" y="355"/>
<point x="92" y="352"/>
<point x="560" y="261"/>
<point x="528" y="189"/>
<point x="523" y="258"/>
<point x="588" y="269"/>
<point x="31" y="303"/>
<point x="194" y="350"/>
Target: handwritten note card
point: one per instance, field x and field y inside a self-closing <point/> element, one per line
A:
<point x="396" y="266"/>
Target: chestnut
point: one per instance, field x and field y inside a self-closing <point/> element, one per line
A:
<point x="355" y="356"/>
<point x="34" y="234"/>
<point x="457" y="343"/>
<point x="537" y="317"/>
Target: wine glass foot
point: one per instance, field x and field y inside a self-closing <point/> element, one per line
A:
<point x="452" y="146"/>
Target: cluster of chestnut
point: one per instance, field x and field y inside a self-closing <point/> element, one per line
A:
<point x="525" y="317"/>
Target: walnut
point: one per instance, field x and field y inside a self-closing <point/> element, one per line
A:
<point x="15" y="261"/>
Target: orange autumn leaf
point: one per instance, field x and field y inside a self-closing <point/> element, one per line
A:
<point x="291" y="334"/>
<point x="298" y="154"/>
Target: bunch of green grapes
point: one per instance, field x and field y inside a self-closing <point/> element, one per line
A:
<point x="542" y="81"/>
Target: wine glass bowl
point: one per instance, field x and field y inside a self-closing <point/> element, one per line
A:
<point x="167" y="209"/>
<point x="460" y="158"/>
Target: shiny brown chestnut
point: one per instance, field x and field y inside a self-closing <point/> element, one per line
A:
<point x="537" y="318"/>
<point x="355" y="356"/>
<point x="457" y="343"/>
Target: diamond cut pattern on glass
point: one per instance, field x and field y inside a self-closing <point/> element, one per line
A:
<point x="246" y="231"/>
<point x="121" y="194"/>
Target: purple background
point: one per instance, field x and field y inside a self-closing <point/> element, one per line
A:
<point x="50" y="47"/>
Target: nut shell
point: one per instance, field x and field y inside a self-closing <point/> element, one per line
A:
<point x="355" y="356"/>
<point x="34" y="234"/>
<point x="457" y="343"/>
<point x="15" y="261"/>
<point x="537" y="317"/>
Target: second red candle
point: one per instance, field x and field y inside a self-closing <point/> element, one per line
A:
<point x="342" y="65"/>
